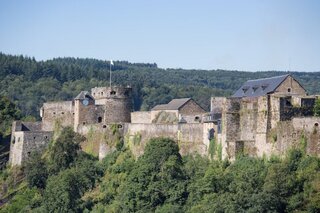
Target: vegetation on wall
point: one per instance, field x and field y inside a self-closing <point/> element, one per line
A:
<point x="316" y="109"/>
<point x="163" y="181"/>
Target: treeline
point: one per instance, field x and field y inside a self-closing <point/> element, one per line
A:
<point x="30" y="83"/>
<point x="65" y="179"/>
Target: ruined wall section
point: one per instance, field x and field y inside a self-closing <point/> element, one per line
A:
<point x="230" y="125"/>
<point x="57" y="112"/>
<point x="188" y="136"/>
<point x="191" y="108"/>
<point x="248" y="119"/>
<point x="290" y="87"/>
<point x="23" y="143"/>
<point x="216" y="104"/>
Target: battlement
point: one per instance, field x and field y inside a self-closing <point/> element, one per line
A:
<point x="111" y="92"/>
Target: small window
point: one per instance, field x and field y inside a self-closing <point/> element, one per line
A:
<point x="34" y="137"/>
<point x="112" y="92"/>
<point x="62" y="113"/>
<point x="84" y="123"/>
<point x="46" y="137"/>
<point x="13" y="140"/>
<point x="119" y="126"/>
<point x="18" y="139"/>
<point x="197" y="118"/>
<point x="316" y="124"/>
<point x="99" y="119"/>
<point x="101" y="93"/>
<point x="104" y="126"/>
<point x="28" y="153"/>
<point x="54" y="113"/>
<point x="73" y="113"/>
<point x="289" y="89"/>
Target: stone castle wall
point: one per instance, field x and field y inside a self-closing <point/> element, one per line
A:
<point x="23" y="143"/>
<point x="141" y="117"/>
<point x="190" y="137"/>
<point x="61" y="112"/>
<point x="117" y="102"/>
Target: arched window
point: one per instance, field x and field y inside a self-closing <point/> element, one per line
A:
<point x="99" y="119"/>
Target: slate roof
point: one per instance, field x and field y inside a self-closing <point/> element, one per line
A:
<point x="82" y="95"/>
<point x="259" y="87"/>
<point x="174" y="104"/>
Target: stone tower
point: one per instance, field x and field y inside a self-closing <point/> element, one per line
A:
<point x="82" y="103"/>
<point x="117" y="102"/>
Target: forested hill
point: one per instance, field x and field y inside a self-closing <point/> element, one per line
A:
<point x="30" y="83"/>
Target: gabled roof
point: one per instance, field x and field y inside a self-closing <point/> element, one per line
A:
<point x="259" y="87"/>
<point x="174" y="104"/>
<point x="83" y="95"/>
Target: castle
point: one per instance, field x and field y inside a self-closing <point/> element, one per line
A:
<point x="264" y="117"/>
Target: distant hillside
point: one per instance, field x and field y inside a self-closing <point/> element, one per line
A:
<point x="30" y="83"/>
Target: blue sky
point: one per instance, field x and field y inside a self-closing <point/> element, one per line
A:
<point x="250" y="35"/>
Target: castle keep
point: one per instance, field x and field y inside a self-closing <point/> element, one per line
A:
<point x="264" y="117"/>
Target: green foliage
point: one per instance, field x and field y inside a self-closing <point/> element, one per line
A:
<point x="162" y="181"/>
<point x="64" y="150"/>
<point x="36" y="171"/>
<point x="212" y="148"/>
<point x="156" y="179"/>
<point x="23" y="201"/>
<point x="31" y="83"/>
<point x="316" y="109"/>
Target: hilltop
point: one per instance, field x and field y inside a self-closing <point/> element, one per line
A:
<point x="30" y="83"/>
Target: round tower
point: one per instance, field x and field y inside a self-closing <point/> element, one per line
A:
<point x="117" y="102"/>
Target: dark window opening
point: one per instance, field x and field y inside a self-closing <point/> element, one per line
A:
<point x="101" y="93"/>
<point x="255" y="88"/>
<point x="46" y="137"/>
<point x="62" y="113"/>
<point x="119" y="126"/>
<point x="34" y="137"/>
<point x="316" y="124"/>
<point x="211" y="134"/>
<point x="104" y="126"/>
<point x="99" y="119"/>
<point x="29" y="153"/>
<point x="73" y="113"/>
<point x="197" y="118"/>
<point x="54" y="113"/>
<point x="13" y="140"/>
<point x="84" y="123"/>
<point x="289" y="89"/>
<point x="112" y="92"/>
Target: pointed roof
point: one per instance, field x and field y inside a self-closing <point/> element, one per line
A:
<point x="83" y="95"/>
<point x="259" y="87"/>
<point x="174" y="104"/>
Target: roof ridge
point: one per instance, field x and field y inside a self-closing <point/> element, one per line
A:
<point x="259" y="79"/>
